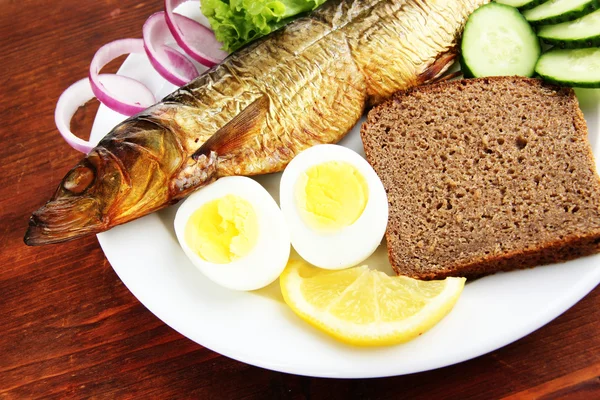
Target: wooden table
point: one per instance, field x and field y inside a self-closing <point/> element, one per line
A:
<point x="70" y="328"/>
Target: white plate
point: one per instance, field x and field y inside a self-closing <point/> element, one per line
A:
<point x="259" y="329"/>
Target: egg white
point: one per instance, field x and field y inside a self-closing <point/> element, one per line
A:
<point x="267" y="259"/>
<point x="350" y="245"/>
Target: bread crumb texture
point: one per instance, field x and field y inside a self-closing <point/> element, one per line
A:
<point x="484" y="175"/>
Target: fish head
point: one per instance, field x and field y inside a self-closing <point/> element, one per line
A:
<point x="78" y="205"/>
<point x="123" y="178"/>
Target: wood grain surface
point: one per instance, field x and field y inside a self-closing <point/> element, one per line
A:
<point x="71" y="329"/>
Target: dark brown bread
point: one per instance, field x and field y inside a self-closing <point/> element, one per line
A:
<point x="484" y="175"/>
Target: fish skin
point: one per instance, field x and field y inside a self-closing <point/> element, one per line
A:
<point x="306" y="84"/>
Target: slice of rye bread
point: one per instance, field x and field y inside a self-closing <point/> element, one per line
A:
<point x="484" y="175"/>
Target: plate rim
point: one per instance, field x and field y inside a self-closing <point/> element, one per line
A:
<point x="541" y="320"/>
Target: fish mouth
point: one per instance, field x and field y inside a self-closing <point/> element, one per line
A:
<point x="64" y="219"/>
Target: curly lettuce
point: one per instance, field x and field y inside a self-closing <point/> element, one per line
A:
<point x="238" y="22"/>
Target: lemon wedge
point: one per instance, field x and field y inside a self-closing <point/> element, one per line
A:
<point x="365" y="307"/>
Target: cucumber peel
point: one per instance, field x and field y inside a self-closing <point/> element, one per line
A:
<point x="522" y="4"/>
<point x="571" y="67"/>
<point x="582" y="32"/>
<point x="557" y="11"/>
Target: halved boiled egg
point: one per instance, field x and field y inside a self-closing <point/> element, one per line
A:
<point x="234" y="233"/>
<point x="335" y="206"/>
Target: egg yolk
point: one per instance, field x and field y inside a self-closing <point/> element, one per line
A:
<point x="331" y="195"/>
<point x="222" y="230"/>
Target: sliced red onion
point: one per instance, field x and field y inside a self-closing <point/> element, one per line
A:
<point x="69" y="101"/>
<point x="124" y="95"/>
<point x="195" y="39"/>
<point x="76" y="96"/>
<point x="168" y="62"/>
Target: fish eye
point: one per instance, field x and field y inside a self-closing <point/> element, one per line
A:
<point x="79" y="179"/>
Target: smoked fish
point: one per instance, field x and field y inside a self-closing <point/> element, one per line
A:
<point x="305" y="84"/>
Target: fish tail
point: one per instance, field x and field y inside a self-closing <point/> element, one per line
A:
<point x="435" y="70"/>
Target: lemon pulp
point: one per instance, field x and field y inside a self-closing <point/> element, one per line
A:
<point x="365" y="307"/>
<point x="331" y="195"/>
<point x="222" y="230"/>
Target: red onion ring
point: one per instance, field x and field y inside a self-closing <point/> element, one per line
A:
<point x="128" y="96"/>
<point x="119" y="97"/>
<point x="195" y="39"/>
<point x="76" y="96"/>
<point x="168" y="62"/>
<point x="69" y="101"/>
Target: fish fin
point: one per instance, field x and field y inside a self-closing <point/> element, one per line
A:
<point x="238" y="131"/>
<point x="449" y="76"/>
<point x="193" y="175"/>
<point x="438" y="67"/>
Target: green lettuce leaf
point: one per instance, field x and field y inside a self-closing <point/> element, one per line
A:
<point x="237" y="22"/>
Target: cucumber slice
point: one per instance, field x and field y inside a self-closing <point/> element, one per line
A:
<point x="571" y="67"/>
<point x="583" y="32"/>
<point x="557" y="11"/>
<point x="498" y="41"/>
<point x="522" y="4"/>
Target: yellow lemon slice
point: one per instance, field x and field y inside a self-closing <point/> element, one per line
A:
<point x="365" y="307"/>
